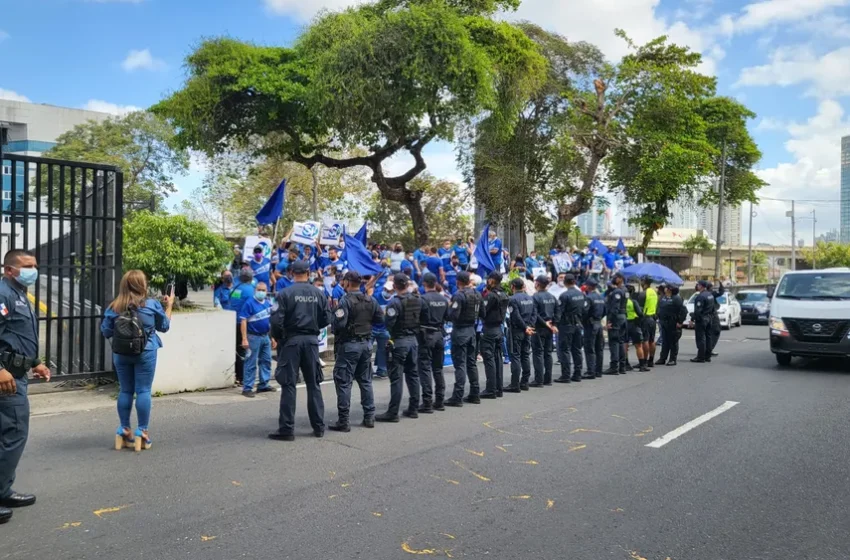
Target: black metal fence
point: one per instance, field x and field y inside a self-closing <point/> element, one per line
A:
<point x="70" y="215"/>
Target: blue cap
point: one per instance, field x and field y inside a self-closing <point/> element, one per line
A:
<point x="299" y="267"/>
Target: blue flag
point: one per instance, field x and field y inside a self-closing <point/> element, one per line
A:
<point x="273" y="209"/>
<point x="362" y="234"/>
<point x="359" y="259"/>
<point x="620" y="245"/>
<point x="598" y="245"/>
<point x="482" y="253"/>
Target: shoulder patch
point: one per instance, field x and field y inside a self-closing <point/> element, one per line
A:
<point x="391" y="312"/>
<point x="4" y="311"/>
<point x="616" y="296"/>
<point x="454" y="305"/>
<point x="340" y="313"/>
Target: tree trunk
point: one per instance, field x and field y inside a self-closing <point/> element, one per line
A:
<point x="413" y="203"/>
<point x="582" y="203"/>
<point x="647" y="239"/>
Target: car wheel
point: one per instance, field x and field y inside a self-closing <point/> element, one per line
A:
<point x="728" y="326"/>
<point x="783" y="359"/>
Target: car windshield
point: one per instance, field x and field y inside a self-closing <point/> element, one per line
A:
<point x="751" y="297"/>
<point x="827" y="286"/>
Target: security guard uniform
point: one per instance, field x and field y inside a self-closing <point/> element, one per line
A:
<point x="493" y="312"/>
<point x="649" y="302"/>
<point x="594" y="341"/>
<point x="634" y="320"/>
<point x="703" y="310"/>
<point x="615" y="311"/>
<point x="671" y="313"/>
<point x="432" y="350"/>
<point x="522" y="315"/>
<point x="715" y="318"/>
<point x="403" y="323"/>
<point x="300" y="313"/>
<point x="352" y="325"/>
<point x="463" y="312"/>
<point x="18" y="354"/>
<point x="571" y="308"/>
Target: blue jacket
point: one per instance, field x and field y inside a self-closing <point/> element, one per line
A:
<point x="153" y="319"/>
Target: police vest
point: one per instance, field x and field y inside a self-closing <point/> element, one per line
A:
<point x="360" y="311"/>
<point x="471" y="307"/>
<point x="411" y="307"/>
<point x="651" y="303"/>
<point x="631" y="315"/>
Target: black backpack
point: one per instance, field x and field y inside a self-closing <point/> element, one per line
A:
<point x="129" y="337"/>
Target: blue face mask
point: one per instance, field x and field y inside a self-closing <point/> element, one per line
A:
<point x="261" y="296"/>
<point x="28" y="276"/>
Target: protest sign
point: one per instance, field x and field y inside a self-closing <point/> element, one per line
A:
<point x="331" y="234"/>
<point x="305" y="232"/>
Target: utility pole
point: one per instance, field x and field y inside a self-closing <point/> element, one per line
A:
<point x="814" y="244"/>
<point x="720" y="187"/>
<point x="750" y="249"/>
<point x="793" y="237"/>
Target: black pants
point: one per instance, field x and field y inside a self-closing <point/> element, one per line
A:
<point x="491" y="353"/>
<point x="594" y="344"/>
<point x="520" y="358"/>
<point x="617" y="342"/>
<point x="239" y="365"/>
<point x="702" y="328"/>
<point x="670" y="336"/>
<point x="14" y="432"/>
<point x="569" y="350"/>
<point x="715" y="332"/>
<point x="353" y="363"/>
<point x="464" y="362"/>
<point x="300" y="352"/>
<point x="541" y="346"/>
<point x="432" y="348"/>
<point x="405" y="353"/>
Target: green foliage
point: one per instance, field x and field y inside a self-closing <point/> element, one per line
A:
<point x="760" y="271"/>
<point x="140" y="144"/>
<point x="508" y="278"/>
<point x="173" y="247"/>
<point x="697" y="244"/>
<point x="829" y="255"/>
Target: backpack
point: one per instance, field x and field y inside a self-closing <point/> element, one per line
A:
<point x="129" y="337"/>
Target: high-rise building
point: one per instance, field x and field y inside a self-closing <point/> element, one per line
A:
<point x="845" y="189"/>
<point x="730" y="231"/>
<point x="597" y="221"/>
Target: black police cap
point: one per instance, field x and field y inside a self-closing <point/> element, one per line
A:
<point x="464" y="278"/>
<point x="518" y="283"/>
<point x="429" y="279"/>
<point x="401" y="279"/>
<point x="543" y="280"/>
<point x="569" y="279"/>
<point x="703" y="283"/>
<point x="352" y="276"/>
<point x="299" y="267"/>
<point x="591" y="282"/>
<point x="497" y="277"/>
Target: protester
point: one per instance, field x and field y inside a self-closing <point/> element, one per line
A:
<point x="254" y="324"/>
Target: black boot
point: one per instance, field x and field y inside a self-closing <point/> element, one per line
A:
<point x="611" y="371"/>
<point x="487" y="395"/>
<point x="454" y="403"/>
<point x="472" y="399"/>
<point x="438" y="404"/>
<point x="368" y="422"/>
<point x="562" y="380"/>
<point x="5" y="515"/>
<point x="340" y="426"/>
<point x="671" y="363"/>
<point x="387" y="417"/>
<point x="662" y="362"/>
<point x="426" y="408"/>
<point x="512" y="389"/>
<point x="642" y="366"/>
<point x="410" y="413"/>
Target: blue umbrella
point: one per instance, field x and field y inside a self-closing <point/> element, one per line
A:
<point x="656" y="272"/>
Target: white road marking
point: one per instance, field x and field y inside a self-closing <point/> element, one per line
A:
<point x="685" y="428"/>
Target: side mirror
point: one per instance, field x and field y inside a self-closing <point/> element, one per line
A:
<point x="771" y="290"/>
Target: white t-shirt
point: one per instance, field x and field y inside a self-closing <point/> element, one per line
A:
<point x="395" y="261"/>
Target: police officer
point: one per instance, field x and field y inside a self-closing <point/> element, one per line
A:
<point x="403" y="323"/>
<point x="701" y="317"/>
<point x="18" y="354"/>
<point x="649" y="302"/>
<point x="594" y="341"/>
<point x="634" y="322"/>
<point x="522" y="317"/>
<point x="715" y="318"/>
<point x="546" y="306"/>
<point x="352" y="325"/>
<point x="671" y="314"/>
<point x="300" y="315"/>
<point x="615" y="311"/>
<point x="493" y="311"/>
<point x="463" y="312"/>
<point x="571" y="308"/>
<point x="432" y="346"/>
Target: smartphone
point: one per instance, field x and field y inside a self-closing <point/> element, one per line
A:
<point x="169" y="289"/>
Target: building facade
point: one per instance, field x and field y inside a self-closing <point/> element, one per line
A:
<point x="597" y="221"/>
<point x="845" y="190"/>
<point x="730" y="230"/>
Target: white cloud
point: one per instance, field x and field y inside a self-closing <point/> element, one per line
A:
<point x="829" y="74"/>
<point x="770" y="12"/>
<point x="106" y="107"/>
<point x="10" y="95"/>
<point x="142" y="60"/>
<point x="305" y="10"/>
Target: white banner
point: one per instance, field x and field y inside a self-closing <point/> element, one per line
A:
<point x="323" y="340"/>
<point x="563" y="263"/>
<point x="538" y="271"/>
<point x="331" y="234"/>
<point x="305" y="232"/>
<point x="252" y="241"/>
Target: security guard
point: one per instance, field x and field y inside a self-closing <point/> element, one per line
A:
<point x="542" y="342"/>
<point x="634" y="322"/>
<point x="649" y="302"/>
<point x="594" y="341"/>
<point x="522" y="317"/>
<point x="463" y="312"/>
<point x="671" y="315"/>
<point x="403" y="323"/>
<point x="352" y="324"/>
<point x="715" y="318"/>
<point x="18" y="354"/>
<point x="432" y="346"/>
<point x="615" y="311"/>
<point x="571" y="308"/>
<point x="300" y="313"/>
<point x="493" y="311"/>
<point x="701" y="317"/>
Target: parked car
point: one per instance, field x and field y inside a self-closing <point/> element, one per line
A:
<point x="755" y="306"/>
<point x="729" y="312"/>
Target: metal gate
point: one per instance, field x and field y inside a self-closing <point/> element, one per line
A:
<point x="70" y="214"/>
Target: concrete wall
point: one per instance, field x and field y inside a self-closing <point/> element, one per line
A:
<point x="198" y="352"/>
<point x="45" y="123"/>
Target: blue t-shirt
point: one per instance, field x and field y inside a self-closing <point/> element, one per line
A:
<point x="282" y="283"/>
<point x="496" y="244"/>
<point x="419" y="256"/>
<point x="462" y="254"/>
<point x="257" y="313"/>
<point x="261" y="270"/>
<point x="153" y="319"/>
<point x="240" y="294"/>
<point x="446" y="256"/>
<point x="328" y="263"/>
<point x="530" y="263"/>
<point x="338" y="292"/>
<point x="434" y="264"/>
<point x="408" y="268"/>
<point x="221" y="296"/>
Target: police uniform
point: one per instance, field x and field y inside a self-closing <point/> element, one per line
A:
<point x="649" y="302"/>
<point x="571" y="308"/>
<point x="715" y="318"/>
<point x="352" y="325"/>
<point x="403" y="324"/>
<point x="432" y="349"/>
<point x="493" y="311"/>
<point x="671" y="313"/>
<point x="18" y="354"/>
<point x="615" y="311"/>
<point x="522" y="315"/>
<point x="594" y="341"/>
<point x="463" y="312"/>
<point x="542" y="341"/>
<point x="703" y="310"/>
<point x="301" y="312"/>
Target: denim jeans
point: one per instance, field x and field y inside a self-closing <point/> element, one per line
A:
<point x="261" y="353"/>
<point x="381" y="352"/>
<point x="135" y="375"/>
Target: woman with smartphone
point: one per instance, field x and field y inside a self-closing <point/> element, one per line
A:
<point x="132" y="323"/>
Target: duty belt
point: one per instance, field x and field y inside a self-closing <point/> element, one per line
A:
<point x="431" y="328"/>
<point x="16" y="364"/>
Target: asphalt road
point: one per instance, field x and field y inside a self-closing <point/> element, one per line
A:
<point x="560" y="472"/>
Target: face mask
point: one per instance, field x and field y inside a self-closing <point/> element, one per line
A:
<point x="261" y="296"/>
<point x="561" y="283"/>
<point x="228" y="281"/>
<point x="258" y="257"/>
<point x="28" y="276"/>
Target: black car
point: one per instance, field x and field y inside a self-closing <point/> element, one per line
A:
<point x="755" y="306"/>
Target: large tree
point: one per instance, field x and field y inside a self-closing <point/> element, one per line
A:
<point x="140" y="144"/>
<point x="389" y="77"/>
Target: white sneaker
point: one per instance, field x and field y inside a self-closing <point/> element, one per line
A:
<point x="322" y="363"/>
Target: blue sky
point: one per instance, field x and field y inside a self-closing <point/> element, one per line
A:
<point x="786" y="59"/>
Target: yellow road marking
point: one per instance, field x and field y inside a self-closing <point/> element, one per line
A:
<point x="345" y="484"/>
<point x="455" y="482"/>
<point x="101" y="512"/>
<point x="71" y="524"/>
<point x="529" y="462"/>
<point x="490" y="425"/>
<point x="576" y="448"/>
<point x="426" y="551"/>
<point x="526" y="497"/>
<point x="472" y="472"/>
<point x="476" y="453"/>
<point x="205" y="538"/>
<point x="500" y="448"/>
